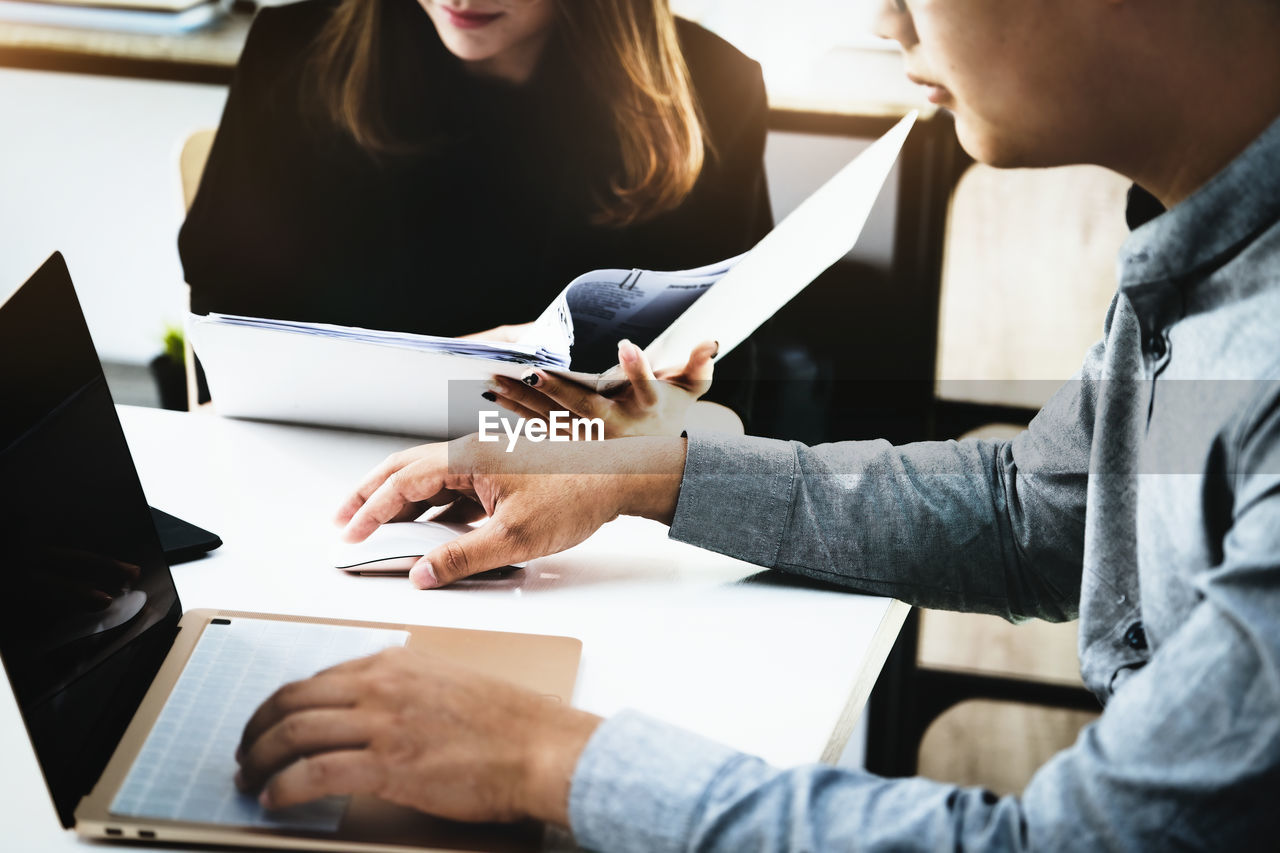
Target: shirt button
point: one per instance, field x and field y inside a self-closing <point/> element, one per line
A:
<point x="1156" y="345"/>
<point x="1136" y="638"/>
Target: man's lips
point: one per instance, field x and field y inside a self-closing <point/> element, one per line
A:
<point x="935" y="92"/>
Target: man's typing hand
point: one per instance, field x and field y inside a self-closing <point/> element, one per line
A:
<point x="418" y="731"/>
<point x="541" y="498"/>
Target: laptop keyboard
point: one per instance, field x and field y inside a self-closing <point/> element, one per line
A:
<point x="186" y="767"/>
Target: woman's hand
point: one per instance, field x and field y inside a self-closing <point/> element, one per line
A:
<point x="651" y="404"/>
<point x="418" y="731"/>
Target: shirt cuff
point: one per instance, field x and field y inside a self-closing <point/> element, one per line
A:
<point x="640" y="783"/>
<point x="735" y="497"/>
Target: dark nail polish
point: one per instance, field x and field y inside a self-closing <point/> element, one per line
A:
<point x="490" y="396"/>
<point x="532" y="380"/>
<point x="717" y="350"/>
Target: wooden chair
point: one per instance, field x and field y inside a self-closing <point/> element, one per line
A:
<point x="191" y="162"/>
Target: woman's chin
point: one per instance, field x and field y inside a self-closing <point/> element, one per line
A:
<point x="468" y="49"/>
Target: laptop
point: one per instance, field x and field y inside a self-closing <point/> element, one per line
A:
<point x="134" y="708"/>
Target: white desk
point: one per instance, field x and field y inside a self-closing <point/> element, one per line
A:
<point x="666" y="628"/>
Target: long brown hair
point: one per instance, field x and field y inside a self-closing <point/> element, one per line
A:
<point x="628" y="49"/>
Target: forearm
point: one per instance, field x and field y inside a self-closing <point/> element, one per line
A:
<point x="939" y="524"/>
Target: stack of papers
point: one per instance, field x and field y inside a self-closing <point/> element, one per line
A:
<point x="514" y="353"/>
<point x="150" y="17"/>
<point x="576" y="336"/>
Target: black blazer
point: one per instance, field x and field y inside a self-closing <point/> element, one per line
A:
<point x="486" y="224"/>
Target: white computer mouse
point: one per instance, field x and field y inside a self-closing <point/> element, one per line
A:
<point x="394" y="547"/>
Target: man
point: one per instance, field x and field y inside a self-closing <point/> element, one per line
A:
<point x="1144" y="499"/>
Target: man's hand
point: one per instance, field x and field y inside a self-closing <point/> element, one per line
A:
<point x="541" y="499"/>
<point x="417" y="731"/>
<point x="650" y="404"/>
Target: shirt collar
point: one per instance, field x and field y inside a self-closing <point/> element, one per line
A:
<point x="1233" y="206"/>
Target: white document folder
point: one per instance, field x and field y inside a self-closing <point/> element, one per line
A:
<point x="270" y="375"/>
<point x="418" y="385"/>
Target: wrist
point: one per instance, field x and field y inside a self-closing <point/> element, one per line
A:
<point x="556" y="742"/>
<point x="651" y="470"/>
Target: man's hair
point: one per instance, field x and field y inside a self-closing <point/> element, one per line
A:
<point x="627" y="49"/>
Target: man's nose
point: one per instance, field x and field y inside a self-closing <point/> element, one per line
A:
<point x="893" y="21"/>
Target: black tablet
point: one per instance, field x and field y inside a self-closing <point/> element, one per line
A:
<point x="182" y="540"/>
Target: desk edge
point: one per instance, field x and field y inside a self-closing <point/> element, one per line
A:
<point x="860" y="690"/>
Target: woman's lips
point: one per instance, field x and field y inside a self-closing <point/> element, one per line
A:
<point x="468" y="20"/>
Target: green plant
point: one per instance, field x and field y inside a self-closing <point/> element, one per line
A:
<point x="175" y="344"/>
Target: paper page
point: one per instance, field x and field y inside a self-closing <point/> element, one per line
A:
<point x="816" y="235"/>
<point x="610" y="305"/>
<point x="552" y="332"/>
<point x="600" y="308"/>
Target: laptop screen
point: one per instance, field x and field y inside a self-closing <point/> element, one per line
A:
<point x="89" y="607"/>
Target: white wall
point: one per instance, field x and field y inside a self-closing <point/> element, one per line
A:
<point x="89" y="167"/>
<point x="815" y="53"/>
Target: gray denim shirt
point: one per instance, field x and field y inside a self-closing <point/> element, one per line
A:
<point x="1144" y="499"/>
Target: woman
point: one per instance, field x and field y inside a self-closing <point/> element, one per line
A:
<point x="447" y="167"/>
